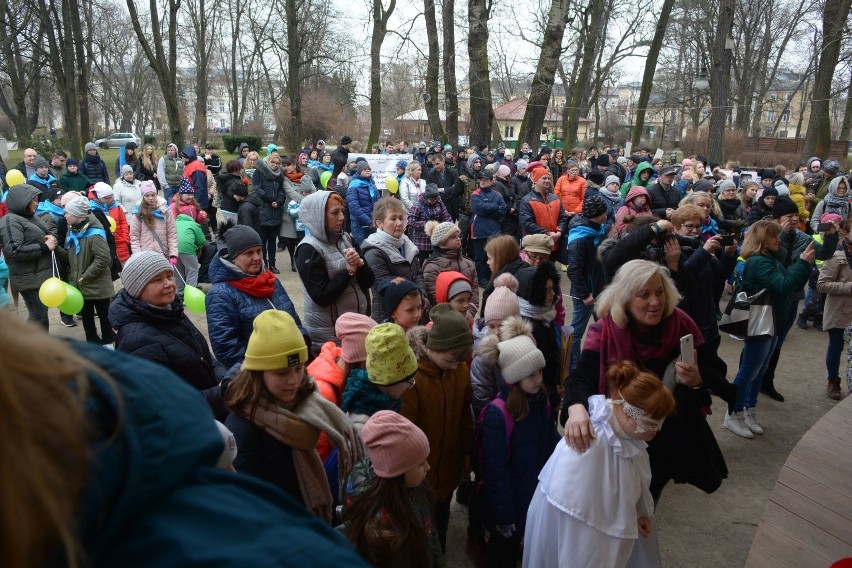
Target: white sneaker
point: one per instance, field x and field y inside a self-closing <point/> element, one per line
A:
<point x="109" y="347"/>
<point x="750" y="420"/>
<point x="734" y="423"/>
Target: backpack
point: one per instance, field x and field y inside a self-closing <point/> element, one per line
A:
<point x="467" y="192"/>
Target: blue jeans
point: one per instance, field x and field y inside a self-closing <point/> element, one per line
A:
<point x="169" y="192"/>
<point x="483" y="273"/>
<point x="755" y="358"/>
<point x="832" y="354"/>
<point x="580" y="315"/>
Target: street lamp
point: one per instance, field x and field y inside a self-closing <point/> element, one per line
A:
<point x="702" y="83"/>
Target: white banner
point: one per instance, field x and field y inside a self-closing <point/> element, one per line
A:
<point x="381" y="165"/>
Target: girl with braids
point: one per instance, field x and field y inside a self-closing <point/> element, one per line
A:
<point x="387" y="511"/>
<point x="152" y="224"/>
<point x="575" y="518"/>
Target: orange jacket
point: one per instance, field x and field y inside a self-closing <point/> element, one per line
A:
<point x="571" y="193"/>
<point x="330" y="382"/>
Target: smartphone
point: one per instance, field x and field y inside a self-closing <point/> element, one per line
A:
<point x="726" y="240"/>
<point x="822" y="227"/>
<point x="687" y="349"/>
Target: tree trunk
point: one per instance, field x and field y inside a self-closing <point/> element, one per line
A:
<point x="818" y="137"/>
<point x="545" y="71"/>
<point x="846" y="129"/>
<point x="568" y="86"/>
<point x="21" y="79"/>
<point x="164" y="64"/>
<point x="651" y="69"/>
<point x="481" y="112"/>
<point x="432" y="72"/>
<point x="720" y="81"/>
<point x="596" y="13"/>
<point x="449" y="61"/>
<point x="294" y="76"/>
<point x="380" y="30"/>
<point x="83" y="68"/>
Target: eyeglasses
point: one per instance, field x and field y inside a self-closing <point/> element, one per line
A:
<point x="691" y="227"/>
<point x="411" y="382"/>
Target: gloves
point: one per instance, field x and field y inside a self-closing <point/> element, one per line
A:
<point x="173" y="260"/>
<point x="506" y="530"/>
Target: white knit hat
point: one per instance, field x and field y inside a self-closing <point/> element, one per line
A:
<point x="103" y="189"/>
<point x="519" y="358"/>
<point x="441" y="232"/>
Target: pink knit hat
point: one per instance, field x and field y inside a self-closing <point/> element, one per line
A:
<point x="393" y="443"/>
<point x="830" y="218"/>
<point x="352" y="329"/>
<point x="501" y="304"/>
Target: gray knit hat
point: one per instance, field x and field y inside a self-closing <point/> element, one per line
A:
<point x="141" y="268"/>
<point x="239" y="238"/>
<point x="612" y="179"/>
<point x="90" y="146"/>
<point x="126" y="169"/>
<point x="40" y="162"/>
<point x="79" y="207"/>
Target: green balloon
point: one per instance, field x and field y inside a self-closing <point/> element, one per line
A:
<point x="193" y="298"/>
<point x="324" y="177"/>
<point x="73" y="300"/>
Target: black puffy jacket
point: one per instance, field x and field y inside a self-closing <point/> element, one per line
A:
<point x="165" y="337"/>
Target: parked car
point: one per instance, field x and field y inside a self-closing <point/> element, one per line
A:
<point x="118" y="140"/>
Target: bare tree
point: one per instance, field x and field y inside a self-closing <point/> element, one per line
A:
<point x="21" y="69"/>
<point x="204" y="18"/>
<point x="449" y="65"/>
<point x="162" y="58"/>
<point x="481" y="111"/>
<point x="381" y="15"/>
<point x="593" y="25"/>
<point x="545" y="71"/>
<point x="430" y="97"/>
<point x="651" y="69"/>
<point x="834" y="18"/>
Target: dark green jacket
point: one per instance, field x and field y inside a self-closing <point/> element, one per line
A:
<point x="75" y="182"/>
<point x="765" y="271"/>
<point x="90" y="267"/>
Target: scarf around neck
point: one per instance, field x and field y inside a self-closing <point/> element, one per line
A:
<point x="74" y="237"/>
<point x="582" y="231"/>
<point x="261" y="286"/>
<point x="538" y="313"/>
<point x="611" y="195"/>
<point x="398" y="250"/>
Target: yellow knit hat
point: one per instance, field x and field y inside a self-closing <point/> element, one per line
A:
<point x="275" y="343"/>
<point x="390" y="358"/>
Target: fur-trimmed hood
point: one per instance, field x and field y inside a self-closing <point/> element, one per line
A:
<point x="512" y="326"/>
<point x="417" y="337"/>
<point x="532" y="282"/>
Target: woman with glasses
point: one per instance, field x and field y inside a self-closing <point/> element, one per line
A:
<point x="729" y="204"/>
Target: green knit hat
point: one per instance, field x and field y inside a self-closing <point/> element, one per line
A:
<point x="390" y="358"/>
<point x="450" y="330"/>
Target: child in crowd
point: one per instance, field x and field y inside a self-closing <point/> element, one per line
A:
<point x="577" y="517"/>
<point x="636" y="204"/>
<point x="388" y="518"/>
<point x="427" y="208"/>
<point x="72" y="179"/>
<point x="152" y="225"/>
<point x="277" y="415"/>
<point x="103" y="198"/>
<point x="446" y="255"/>
<point x="403" y="302"/>
<point x="190" y="238"/>
<point x="455" y="289"/>
<point x="127" y="189"/>
<point x="185" y="202"/>
<point x="89" y="260"/>
<point x="516" y="437"/>
<point x="440" y="404"/>
<point x="42" y="179"/>
<point x="334" y="364"/>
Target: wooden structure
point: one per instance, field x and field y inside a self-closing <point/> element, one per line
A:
<point x="808" y="519"/>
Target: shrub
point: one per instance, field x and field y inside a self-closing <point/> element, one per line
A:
<point x="149" y="139"/>
<point x="232" y="142"/>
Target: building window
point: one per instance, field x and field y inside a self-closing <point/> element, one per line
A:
<point x="770" y="116"/>
<point x="509" y="132"/>
<point x="785" y="117"/>
<point x="221" y="106"/>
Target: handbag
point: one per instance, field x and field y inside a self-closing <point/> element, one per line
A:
<point x="748" y="316"/>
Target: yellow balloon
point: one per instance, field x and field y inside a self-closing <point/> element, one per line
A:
<point x="111" y="224"/>
<point x="14" y="177"/>
<point x="52" y="292"/>
<point x="392" y="184"/>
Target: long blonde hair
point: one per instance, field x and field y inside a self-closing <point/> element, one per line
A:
<point x="757" y="237"/>
<point x="149" y="163"/>
<point x="44" y="454"/>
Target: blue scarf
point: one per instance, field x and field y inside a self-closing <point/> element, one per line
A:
<point x="583" y="231"/>
<point x="157" y="212"/>
<point x="47" y="207"/>
<point x="43" y="181"/>
<point x="74" y="237"/>
<point x="363" y="397"/>
<point x="709" y="227"/>
<point x="325" y="167"/>
<point x="313" y="163"/>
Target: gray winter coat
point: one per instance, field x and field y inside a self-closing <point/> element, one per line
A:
<point x="270" y="189"/>
<point x="22" y="236"/>
<point x="293" y="192"/>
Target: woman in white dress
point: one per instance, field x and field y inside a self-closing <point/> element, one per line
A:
<point x="590" y="508"/>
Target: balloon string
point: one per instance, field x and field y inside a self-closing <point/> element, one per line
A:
<point x="179" y="275"/>
<point x="54" y="264"/>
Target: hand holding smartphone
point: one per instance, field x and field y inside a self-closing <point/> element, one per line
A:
<point x="687" y="349"/>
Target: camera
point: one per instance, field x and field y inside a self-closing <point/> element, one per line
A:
<point x="655" y="251"/>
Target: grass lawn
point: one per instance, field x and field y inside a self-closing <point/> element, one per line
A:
<point x="108" y="155"/>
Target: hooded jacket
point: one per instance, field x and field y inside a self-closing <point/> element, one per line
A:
<point x="571" y="192"/>
<point x="361" y="196"/>
<point x="269" y="187"/>
<point x="164" y="336"/>
<point x="231" y="312"/>
<point x="439" y="405"/>
<point x="141" y="236"/>
<point x="127" y="194"/>
<point x="196" y="173"/>
<point x="147" y="417"/>
<point x="443" y="260"/>
<point x="230" y="186"/>
<point x="327" y="288"/>
<point x="170" y="170"/>
<point x="122" y="227"/>
<point x="295" y="188"/>
<point x="630" y="208"/>
<point x="832" y="203"/>
<point x="662" y="199"/>
<point x="90" y="271"/>
<point x="22" y="236"/>
<point x="488" y="209"/>
<point x="636" y="180"/>
<point x="249" y="212"/>
<point x="94" y="168"/>
<point x="584" y="267"/>
<point x="189" y="235"/>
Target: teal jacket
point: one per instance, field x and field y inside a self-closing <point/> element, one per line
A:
<point x="765" y="271"/>
<point x="636" y="180"/>
<point x="156" y="498"/>
<point x="189" y="234"/>
<point x="4" y="280"/>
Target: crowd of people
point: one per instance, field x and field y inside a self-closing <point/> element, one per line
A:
<point x="433" y="354"/>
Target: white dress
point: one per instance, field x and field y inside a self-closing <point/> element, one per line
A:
<point x="586" y="506"/>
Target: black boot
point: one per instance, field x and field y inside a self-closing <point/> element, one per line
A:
<point x="802" y="321"/>
<point x="767" y="387"/>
